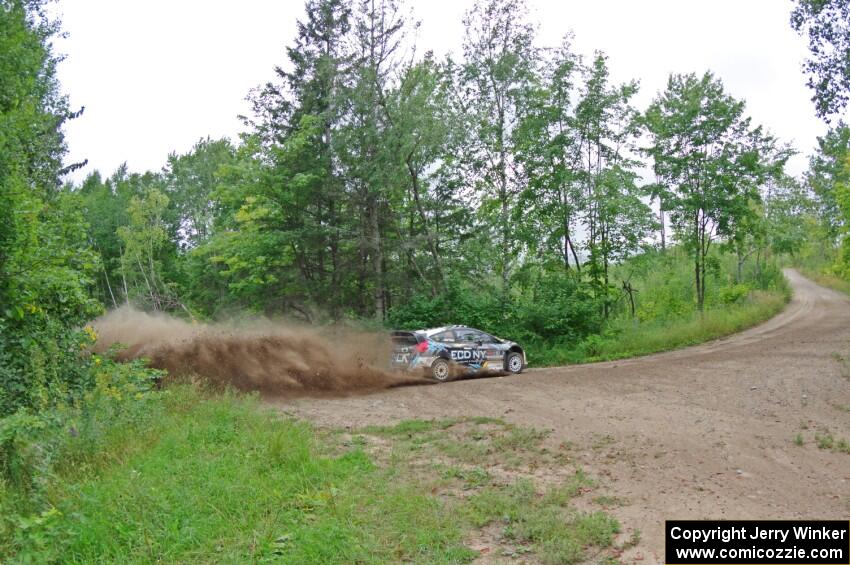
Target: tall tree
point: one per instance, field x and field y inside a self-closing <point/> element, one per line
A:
<point x="373" y="170"/>
<point x="788" y="210"/>
<point x="190" y="182"/>
<point x="144" y="237"/>
<point x="710" y="159"/>
<point x="46" y="267"/>
<point x="615" y="218"/>
<point x="826" y="172"/>
<point x="421" y="121"/>
<point x="499" y="71"/>
<point x="105" y="210"/>
<point x="547" y="149"/>
<point x="297" y="194"/>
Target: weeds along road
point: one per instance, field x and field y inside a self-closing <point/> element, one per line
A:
<point x="703" y="432"/>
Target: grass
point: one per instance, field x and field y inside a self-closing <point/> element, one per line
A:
<point x="843" y="362"/>
<point x="494" y="490"/>
<point x="827" y="441"/>
<point x="191" y="477"/>
<point x="665" y="315"/>
<point x="217" y="479"/>
<point x="627" y="338"/>
<point x="553" y="531"/>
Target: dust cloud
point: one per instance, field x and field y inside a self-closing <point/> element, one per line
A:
<point x="276" y="358"/>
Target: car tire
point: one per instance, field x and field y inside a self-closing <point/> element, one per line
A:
<point x="513" y="363"/>
<point x="441" y="370"/>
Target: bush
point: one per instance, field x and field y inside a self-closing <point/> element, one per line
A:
<point x="546" y="305"/>
<point x="80" y="437"/>
<point x="733" y="294"/>
<point x="44" y="287"/>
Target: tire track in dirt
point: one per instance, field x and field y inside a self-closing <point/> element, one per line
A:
<point x="703" y="432"/>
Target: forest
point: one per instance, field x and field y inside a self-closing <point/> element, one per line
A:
<point x="512" y="186"/>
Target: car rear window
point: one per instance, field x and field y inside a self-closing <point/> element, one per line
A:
<point x="404" y="338"/>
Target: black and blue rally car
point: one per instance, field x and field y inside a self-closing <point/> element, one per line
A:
<point x="453" y="351"/>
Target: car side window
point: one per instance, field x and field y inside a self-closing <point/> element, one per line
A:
<point x="487" y="338"/>
<point x="467" y="335"/>
<point x="444" y="337"/>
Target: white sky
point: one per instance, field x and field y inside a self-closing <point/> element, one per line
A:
<point x="156" y="76"/>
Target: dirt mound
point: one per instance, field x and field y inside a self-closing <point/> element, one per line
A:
<point x="273" y="357"/>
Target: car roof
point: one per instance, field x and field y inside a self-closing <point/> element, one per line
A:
<point x="431" y="331"/>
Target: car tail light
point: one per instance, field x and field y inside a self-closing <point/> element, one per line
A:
<point x="422" y="347"/>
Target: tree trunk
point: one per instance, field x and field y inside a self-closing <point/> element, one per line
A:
<point x="124" y="279"/>
<point x="575" y="256"/>
<point x="432" y="245"/>
<point x="698" y="258"/>
<point x="106" y="276"/>
<point x="109" y="287"/>
<point x="504" y="216"/>
<point x="154" y="299"/>
<point x="377" y="259"/>
<point x="663" y="234"/>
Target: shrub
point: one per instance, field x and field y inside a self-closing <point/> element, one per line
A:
<point x="547" y="305"/>
<point x="34" y="446"/>
<point x="733" y="294"/>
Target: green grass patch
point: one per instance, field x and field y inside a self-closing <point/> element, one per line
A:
<point x="556" y="533"/>
<point x="410" y="428"/>
<point x="661" y="313"/>
<point x="191" y="477"/>
<point x="219" y="479"/>
<point x="826" y="440"/>
<point x="469" y="440"/>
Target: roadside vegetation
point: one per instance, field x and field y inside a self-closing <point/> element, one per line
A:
<point x="827" y="271"/>
<point x="822" y="248"/>
<point x="134" y="475"/>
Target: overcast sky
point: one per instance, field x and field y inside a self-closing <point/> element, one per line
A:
<point x="156" y="76"/>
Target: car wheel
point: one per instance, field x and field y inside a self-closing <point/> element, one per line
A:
<point x="514" y="363"/>
<point x="441" y="370"/>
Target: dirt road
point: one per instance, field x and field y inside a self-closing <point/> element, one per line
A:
<point x="703" y="432"/>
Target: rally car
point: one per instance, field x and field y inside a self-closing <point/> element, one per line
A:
<point x="452" y="351"/>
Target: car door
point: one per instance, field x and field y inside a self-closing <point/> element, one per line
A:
<point x="471" y="350"/>
<point x="494" y="352"/>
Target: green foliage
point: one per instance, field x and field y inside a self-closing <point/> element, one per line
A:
<point x="177" y="476"/>
<point x="77" y="440"/>
<point x="733" y="294"/>
<point x="710" y="163"/>
<point x="497" y="75"/>
<point x="552" y="305"/>
<point x="46" y="266"/>
<point x="500" y="191"/>
<point x="666" y="313"/>
<point x="825" y="255"/>
<point x="827" y="24"/>
<point x="827" y="171"/>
